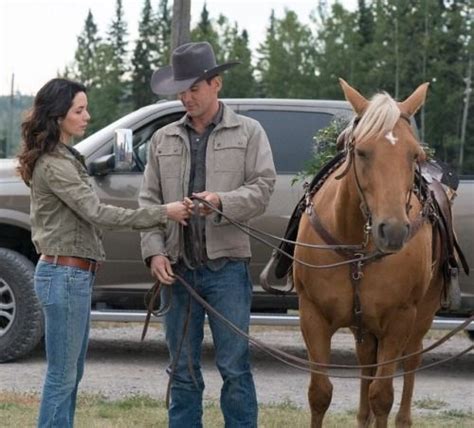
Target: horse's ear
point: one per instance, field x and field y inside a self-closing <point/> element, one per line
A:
<point x="411" y="105"/>
<point x="357" y="101"/>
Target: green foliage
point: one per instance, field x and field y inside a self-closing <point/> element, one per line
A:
<point x="87" y="44"/>
<point x="324" y="149"/>
<point x="142" y="61"/>
<point x="205" y="31"/>
<point x="391" y="45"/>
<point x="12" y="112"/>
<point x="286" y="59"/>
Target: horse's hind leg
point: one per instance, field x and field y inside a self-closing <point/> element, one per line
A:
<point x="317" y="336"/>
<point x="366" y="354"/>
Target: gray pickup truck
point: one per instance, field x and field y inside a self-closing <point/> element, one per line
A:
<point x="123" y="279"/>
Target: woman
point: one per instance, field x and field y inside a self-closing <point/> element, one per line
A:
<point x="66" y="218"/>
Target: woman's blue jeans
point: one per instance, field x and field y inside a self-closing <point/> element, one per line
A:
<point x="229" y="291"/>
<point x="65" y="295"/>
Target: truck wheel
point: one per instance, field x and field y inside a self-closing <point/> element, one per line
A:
<point x="21" y="317"/>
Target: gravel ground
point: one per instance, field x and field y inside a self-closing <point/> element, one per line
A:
<point x="120" y="365"/>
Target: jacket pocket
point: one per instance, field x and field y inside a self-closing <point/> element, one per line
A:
<point x="169" y="158"/>
<point x="230" y="155"/>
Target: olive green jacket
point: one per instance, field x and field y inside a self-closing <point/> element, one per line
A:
<point x="67" y="215"/>
<point x="239" y="168"/>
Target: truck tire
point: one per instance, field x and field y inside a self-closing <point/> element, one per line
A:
<point x="21" y="316"/>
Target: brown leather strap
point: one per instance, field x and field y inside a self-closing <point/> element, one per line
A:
<point x="321" y="368"/>
<point x="78" y="262"/>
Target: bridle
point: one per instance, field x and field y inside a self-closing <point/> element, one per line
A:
<point x="358" y="258"/>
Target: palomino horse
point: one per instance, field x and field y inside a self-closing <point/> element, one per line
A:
<point x="370" y="197"/>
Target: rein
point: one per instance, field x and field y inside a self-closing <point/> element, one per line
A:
<point x="282" y="356"/>
<point x="311" y="366"/>
<point x="355" y="256"/>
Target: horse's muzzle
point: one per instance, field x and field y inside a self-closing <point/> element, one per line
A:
<point x="390" y="236"/>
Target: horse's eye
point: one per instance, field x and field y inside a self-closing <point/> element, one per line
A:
<point x="361" y="153"/>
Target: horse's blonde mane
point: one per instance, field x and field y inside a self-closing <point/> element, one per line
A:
<point x="379" y="118"/>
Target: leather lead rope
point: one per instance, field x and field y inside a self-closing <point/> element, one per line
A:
<point x="318" y="368"/>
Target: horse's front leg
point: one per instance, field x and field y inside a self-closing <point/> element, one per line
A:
<point x="390" y="346"/>
<point x="366" y="354"/>
<point x="425" y="313"/>
<point x="317" y="336"/>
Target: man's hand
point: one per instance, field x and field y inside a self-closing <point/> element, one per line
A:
<point x="160" y="267"/>
<point x="210" y="197"/>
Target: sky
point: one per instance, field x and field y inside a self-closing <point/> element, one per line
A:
<point x="38" y="38"/>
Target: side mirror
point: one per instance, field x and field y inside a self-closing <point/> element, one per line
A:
<point x="123" y="150"/>
<point x="122" y="158"/>
<point x="102" y="165"/>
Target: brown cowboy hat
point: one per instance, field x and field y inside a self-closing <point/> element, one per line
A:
<point x="191" y="63"/>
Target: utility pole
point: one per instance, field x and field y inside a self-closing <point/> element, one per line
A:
<point x="467" y="94"/>
<point x="181" y="23"/>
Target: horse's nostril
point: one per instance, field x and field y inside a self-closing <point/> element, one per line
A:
<point x="381" y="230"/>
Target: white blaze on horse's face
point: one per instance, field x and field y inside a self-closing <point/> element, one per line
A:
<point x="391" y="138"/>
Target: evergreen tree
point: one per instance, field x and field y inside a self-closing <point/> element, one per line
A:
<point x="115" y="87"/>
<point x="337" y="51"/>
<point x="143" y="59"/>
<point x="162" y="24"/>
<point x="239" y="81"/>
<point x="87" y="43"/>
<point x="286" y="62"/>
<point x="104" y="95"/>
<point x="366" y="23"/>
<point x="205" y="32"/>
<point x="447" y="69"/>
<point x="117" y="39"/>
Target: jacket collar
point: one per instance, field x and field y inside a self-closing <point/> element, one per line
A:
<point x="229" y="120"/>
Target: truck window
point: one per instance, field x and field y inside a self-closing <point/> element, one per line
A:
<point x="291" y="135"/>
<point x="142" y="138"/>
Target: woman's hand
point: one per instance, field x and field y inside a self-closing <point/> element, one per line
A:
<point x="179" y="211"/>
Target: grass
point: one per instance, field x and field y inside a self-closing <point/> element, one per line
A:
<point x="94" y="411"/>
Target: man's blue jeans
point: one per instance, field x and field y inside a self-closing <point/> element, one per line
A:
<point x="229" y="291"/>
<point x="65" y="295"/>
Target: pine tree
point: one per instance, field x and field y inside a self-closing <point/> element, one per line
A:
<point x="162" y="23"/>
<point x="337" y="51"/>
<point x="143" y="57"/>
<point x="116" y="89"/>
<point x="286" y="62"/>
<point x="87" y="43"/>
<point x="239" y="81"/>
<point x="205" y="32"/>
<point x="117" y="39"/>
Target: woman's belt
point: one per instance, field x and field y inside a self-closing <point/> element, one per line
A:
<point x="78" y="262"/>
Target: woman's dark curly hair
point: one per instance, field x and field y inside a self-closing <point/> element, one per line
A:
<point x="40" y="130"/>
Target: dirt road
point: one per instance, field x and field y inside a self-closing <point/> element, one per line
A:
<point x="119" y="365"/>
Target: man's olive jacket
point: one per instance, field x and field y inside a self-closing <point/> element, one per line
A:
<point x="239" y="168"/>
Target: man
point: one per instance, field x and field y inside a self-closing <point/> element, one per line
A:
<point x="225" y="159"/>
